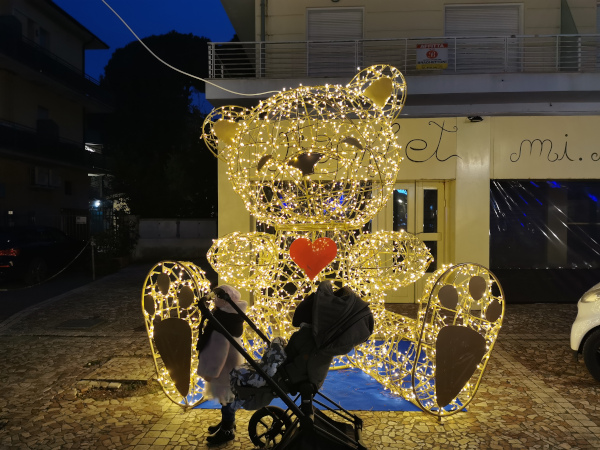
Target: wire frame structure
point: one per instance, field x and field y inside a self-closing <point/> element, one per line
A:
<point x="325" y="157"/>
<point x="170" y="307"/>
<point x="368" y="263"/>
<point x="316" y="164"/>
<point x="437" y="362"/>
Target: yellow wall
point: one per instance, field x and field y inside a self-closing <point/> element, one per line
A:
<point x="472" y="194"/>
<point x="232" y="213"/>
<point x="286" y="20"/>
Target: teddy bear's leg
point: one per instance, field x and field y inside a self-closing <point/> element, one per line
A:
<point x="437" y="360"/>
<point x="169" y="303"/>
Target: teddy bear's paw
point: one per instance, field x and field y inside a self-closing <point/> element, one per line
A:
<point x="170" y="306"/>
<point x="460" y="317"/>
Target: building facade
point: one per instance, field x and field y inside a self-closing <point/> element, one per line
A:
<point x="46" y="170"/>
<point x="499" y="135"/>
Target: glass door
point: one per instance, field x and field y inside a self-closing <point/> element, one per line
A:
<point x="418" y="208"/>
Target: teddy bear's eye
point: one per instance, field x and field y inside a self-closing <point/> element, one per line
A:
<point x="306" y="162"/>
<point x="352" y="141"/>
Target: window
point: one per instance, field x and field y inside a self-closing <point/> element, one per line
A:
<point x="494" y="25"/>
<point x="43" y="113"/>
<point x="545" y="224"/>
<point x="44" y="38"/>
<point x="326" y="58"/>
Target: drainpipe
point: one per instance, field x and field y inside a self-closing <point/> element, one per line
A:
<point x="263" y="17"/>
<point x="263" y="35"/>
<point x="570" y="46"/>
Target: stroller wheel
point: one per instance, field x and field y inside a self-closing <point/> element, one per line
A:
<point x="268" y="425"/>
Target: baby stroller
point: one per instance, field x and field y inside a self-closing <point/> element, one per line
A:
<point x="331" y="324"/>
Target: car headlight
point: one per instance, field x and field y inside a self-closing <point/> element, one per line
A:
<point x="590" y="296"/>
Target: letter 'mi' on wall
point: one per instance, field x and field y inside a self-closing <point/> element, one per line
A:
<point x="546" y="147"/>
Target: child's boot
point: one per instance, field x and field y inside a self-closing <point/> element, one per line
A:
<point x="224" y="434"/>
<point x="212" y="429"/>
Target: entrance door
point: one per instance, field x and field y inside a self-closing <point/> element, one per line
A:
<point x="418" y="208"/>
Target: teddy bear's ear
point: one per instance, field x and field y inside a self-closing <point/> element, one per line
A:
<point x="384" y="86"/>
<point x="225" y="130"/>
<point x="379" y="91"/>
<point x="221" y="127"/>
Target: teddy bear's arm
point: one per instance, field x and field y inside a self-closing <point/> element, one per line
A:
<point x="390" y="259"/>
<point x="244" y="259"/>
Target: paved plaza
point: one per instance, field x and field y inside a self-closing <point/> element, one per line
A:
<point x="76" y="372"/>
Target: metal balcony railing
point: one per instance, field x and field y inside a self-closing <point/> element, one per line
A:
<point x="36" y="143"/>
<point x="459" y="55"/>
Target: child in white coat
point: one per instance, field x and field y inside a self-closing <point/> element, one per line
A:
<point x="217" y="357"/>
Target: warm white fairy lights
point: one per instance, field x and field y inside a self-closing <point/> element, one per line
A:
<point x="403" y="357"/>
<point x="321" y="162"/>
<point x="170" y="296"/>
<point x="315" y="156"/>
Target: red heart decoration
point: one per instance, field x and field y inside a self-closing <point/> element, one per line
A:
<point x="312" y="257"/>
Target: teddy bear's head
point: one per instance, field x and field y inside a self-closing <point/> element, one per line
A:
<point x="324" y="155"/>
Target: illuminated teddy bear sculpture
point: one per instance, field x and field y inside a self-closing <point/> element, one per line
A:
<point x="315" y="165"/>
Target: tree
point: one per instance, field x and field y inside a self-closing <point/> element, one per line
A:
<point x="161" y="165"/>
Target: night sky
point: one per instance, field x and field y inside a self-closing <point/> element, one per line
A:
<point x="146" y="17"/>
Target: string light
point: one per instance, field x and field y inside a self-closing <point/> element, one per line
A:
<point x="171" y="291"/>
<point x="175" y="68"/>
<point x="315" y="162"/>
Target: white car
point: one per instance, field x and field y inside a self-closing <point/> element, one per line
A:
<point x="585" y="331"/>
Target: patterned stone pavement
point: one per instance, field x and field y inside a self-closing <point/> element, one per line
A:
<point x="76" y="372"/>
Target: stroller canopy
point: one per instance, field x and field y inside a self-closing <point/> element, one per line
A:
<point x="341" y="320"/>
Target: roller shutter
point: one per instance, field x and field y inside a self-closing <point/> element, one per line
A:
<point x="334" y="24"/>
<point x="483" y="20"/>
<point x="494" y="24"/>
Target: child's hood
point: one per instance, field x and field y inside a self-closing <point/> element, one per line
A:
<point x="234" y="294"/>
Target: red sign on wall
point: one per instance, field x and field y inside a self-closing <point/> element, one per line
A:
<point x="432" y="56"/>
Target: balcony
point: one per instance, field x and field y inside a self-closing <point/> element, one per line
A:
<point x="464" y="55"/>
<point x="16" y="49"/>
<point x="553" y="74"/>
<point x="44" y="144"/>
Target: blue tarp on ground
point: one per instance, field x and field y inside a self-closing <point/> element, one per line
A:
<point x="353" y="390"/>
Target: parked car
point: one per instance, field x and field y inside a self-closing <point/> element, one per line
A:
<point x="34" y="253"/>
<point x="585" y="331"/>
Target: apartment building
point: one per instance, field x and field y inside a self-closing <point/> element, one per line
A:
<point x="46" y="170"/>
<point x="500" y="133"/>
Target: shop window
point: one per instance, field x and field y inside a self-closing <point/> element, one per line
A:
<point x="545" y="224"/>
